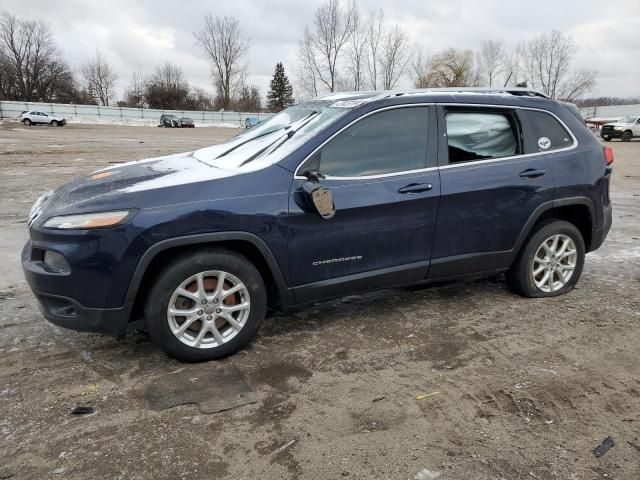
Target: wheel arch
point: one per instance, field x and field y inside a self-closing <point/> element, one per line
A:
<point x="247" y="244"/>
<point x="578" y="211"/>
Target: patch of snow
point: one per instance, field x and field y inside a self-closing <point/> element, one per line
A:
<point x="425" y="474"/>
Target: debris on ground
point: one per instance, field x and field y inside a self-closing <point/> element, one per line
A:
<point x="285" y="446"/>
<point x="378" y="399"/>
<point x="426" y="395"/>
<point x="213" y="390"/>
<point x="82" y="410"/>
<point x="601" y="449"/>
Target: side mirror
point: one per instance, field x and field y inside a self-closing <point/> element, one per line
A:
<point x="319" y="197"/>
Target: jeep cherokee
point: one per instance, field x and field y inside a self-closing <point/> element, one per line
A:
<point x="347" y="192"/>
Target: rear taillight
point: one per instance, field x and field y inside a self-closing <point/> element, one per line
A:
<point x="608" y="155"/>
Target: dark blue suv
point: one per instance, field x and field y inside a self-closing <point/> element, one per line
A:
<point x="347" y="192"/>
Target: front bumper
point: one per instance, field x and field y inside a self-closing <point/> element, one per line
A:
<point x="67" y="313"/>
<point x="80" y="298"/>
<point x="611" y="133"/>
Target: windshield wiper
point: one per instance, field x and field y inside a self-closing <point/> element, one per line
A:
<point x="290" y="133"/>
<point x="269" y="132"/>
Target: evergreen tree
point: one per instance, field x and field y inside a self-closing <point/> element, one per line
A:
<point x="280" y="94"/>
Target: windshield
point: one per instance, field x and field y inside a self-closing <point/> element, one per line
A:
<point x="284" y="132"/>
<point x="287" y="117"/>
<point x="628" y="119"/>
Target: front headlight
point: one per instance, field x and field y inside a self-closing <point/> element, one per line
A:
<point x="618" y="128"/>
<point x="87" y="221"/>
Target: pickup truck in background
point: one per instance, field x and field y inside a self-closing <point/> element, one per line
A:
<point x="625" y="129"/>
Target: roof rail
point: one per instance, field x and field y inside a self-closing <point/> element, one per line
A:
<point x="517" y="91"/>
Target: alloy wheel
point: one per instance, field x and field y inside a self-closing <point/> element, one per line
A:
<point x="554" y="263"/>
<point x="208" y="309"/>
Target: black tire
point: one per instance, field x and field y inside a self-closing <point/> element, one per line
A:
<point x="607" y="139"/>
<point x="520" y="277"/>
<point x="183" y="267"/>
<point x="626" y="136"/>
<point x="27" y="122"/>
<point x="54" y="123"/>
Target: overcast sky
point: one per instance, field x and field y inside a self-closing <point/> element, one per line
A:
<point x="145" y="33"/>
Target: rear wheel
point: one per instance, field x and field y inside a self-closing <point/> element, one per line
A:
<point x="626" y="136"/>
<point x="550" y="263"/>
<point x="206" y="305"/>
<point x="27" y="122"/>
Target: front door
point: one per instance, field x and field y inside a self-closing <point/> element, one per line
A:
<point x="382" y="173"/>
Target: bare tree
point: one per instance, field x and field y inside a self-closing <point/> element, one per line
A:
<point x="134" y="96"/>
<point x="451" y="68"/>
<point x="99" y="78"/>
<point x="167" y="88"/>
<point x="375" y="30"/>
<point x="307" y="68"/>
<point x="394" y="56"/>
<point x="225" y="44"/>
<point x="515" y="73"/>
<point x="357" y="50"/>
<point x="32" y="66"/>
<point x="420" y="70"/>
<point x="548" y="60"/>
<point x="323" y="43"/>
<point x="490" y="61"/>
<point x="577" y="84"/>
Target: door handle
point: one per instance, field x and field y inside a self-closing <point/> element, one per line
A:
<point x="416" y="188"/>
<point x="532" y="173"/>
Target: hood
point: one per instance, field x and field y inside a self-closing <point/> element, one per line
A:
<point x="617" y="124"/>
<point x="124" y="180"/>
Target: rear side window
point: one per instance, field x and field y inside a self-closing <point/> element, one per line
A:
<point x="545" y="131"/>
<point x="386" y="142"/>
<point x="475" y="136"/>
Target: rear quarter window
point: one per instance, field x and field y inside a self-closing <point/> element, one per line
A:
<point x="544" y="132"/>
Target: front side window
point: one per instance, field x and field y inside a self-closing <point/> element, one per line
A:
<point x="476" y="136"/>
<point x="546" y="132"/>
<point x="390" y="141"/>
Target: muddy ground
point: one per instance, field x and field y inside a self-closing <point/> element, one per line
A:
<point x="508" y="388"/>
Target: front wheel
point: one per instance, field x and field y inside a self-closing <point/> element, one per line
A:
<point x="550" y="263"/>
<point x="607" y="139"/>
<point x="627" y="136"/>
<point x="54" y="123"/>
<point x="206" y="305"/>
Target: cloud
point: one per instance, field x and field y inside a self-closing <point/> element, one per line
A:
<point x="141" y="35"/>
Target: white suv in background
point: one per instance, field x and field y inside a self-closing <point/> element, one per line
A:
<point x="625" y="129"/>
<point x="34" y="117"/>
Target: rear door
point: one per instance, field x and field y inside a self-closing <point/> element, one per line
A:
<point x="384" y="179"/>
<point x="490" y="187"/>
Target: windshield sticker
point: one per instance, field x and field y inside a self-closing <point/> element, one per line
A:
<point x="544" y="143"/>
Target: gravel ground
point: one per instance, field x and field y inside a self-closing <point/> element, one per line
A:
<point x="458" y="381"/>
